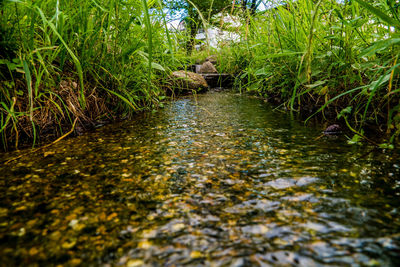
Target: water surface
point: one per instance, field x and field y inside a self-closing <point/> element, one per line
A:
<point x="220" y="180"/>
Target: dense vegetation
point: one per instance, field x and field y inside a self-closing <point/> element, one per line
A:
<point x="338" y="59"/>
<point x="84" y="61"/>
<point x="90" y="60"/>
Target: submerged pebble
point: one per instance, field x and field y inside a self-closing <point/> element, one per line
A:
<point x="217" y="181"/>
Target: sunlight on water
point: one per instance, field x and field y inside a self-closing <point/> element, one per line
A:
<point x="224" y="182"/>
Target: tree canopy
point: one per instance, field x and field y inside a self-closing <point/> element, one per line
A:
<point x="194" y="10"/>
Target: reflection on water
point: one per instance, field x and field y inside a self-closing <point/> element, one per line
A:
<point x="221" y="182"/>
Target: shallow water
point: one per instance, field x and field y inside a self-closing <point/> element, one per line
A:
<point x="221" y="181"/>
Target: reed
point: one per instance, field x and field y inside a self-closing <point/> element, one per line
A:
<point x="98" y="60"/>
<point x="325" y="57"/>
<point x="72" y="59"/>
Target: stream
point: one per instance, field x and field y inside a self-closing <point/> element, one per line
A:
<point x="214" y="180"/>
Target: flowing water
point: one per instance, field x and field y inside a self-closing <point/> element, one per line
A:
<point x="218" y="181"/>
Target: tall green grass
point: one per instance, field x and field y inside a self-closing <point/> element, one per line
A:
<point x="90" y="60"/>
<point x="326" y="57"/>
<point x="96" y="60"/>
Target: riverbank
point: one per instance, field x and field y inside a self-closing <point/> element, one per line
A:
<point x="97" y="64"/>
<point x="73" y="61"/>
<point x="338" y="60"/>
<point x="102" y="108"/>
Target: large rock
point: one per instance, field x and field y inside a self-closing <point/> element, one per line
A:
<point x="208" y="67"/>
<point x="187" y="80"/>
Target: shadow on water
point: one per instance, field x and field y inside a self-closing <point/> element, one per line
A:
<point x="224" y="182"/>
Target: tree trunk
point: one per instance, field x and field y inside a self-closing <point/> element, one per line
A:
<point x="253" y="7"/>
<point x="244" y="4"/>
<point x="192" y="35"/>
<point x="192" y="27"/>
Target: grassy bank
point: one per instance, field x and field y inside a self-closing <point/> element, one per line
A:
<point x="67" y="61"/>
<point x="325" y="57"/>
<point x="63" y="61"/>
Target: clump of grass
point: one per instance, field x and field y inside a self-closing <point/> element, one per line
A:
<point x="93" y="60"/>
<point x="89" y="60"/>
<point x="329" y="57"/>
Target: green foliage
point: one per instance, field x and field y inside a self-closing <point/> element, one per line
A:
<point x="198" y="14"/>
<point x="61" y="60"/>
<point x="320" y="55"/>
<point x="191" y="7"/>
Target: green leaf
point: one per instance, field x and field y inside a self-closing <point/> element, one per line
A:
<point x="382" y="80"/>
<point x="28" y="79"/>
<point x="379" y="13"/>
<point x="379" y="46"/>
<point x="157" y="66"/>
<point x="124" y="99"/>
<point x="284" y="54"/>
<point x="100" y="7"/>
<point x="344" y="112"/>
<point x="315" y="84"/>
<point x="386" y="146"/>
<point x="260" y="72"/>
<point x="355" y="140"/>
<point x="71" y="53"/>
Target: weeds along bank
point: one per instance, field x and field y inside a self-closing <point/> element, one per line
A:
<point x="336" y="57"/>
<point x="84" y="60"/>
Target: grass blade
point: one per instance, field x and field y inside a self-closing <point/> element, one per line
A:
<point x="29" y="85"/>
<point x="73" y="56"/>
<point x="380" y="14"/>
<point x="149" y="43"/>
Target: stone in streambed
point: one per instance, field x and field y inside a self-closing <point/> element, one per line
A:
<point x="333" y="129"/>
<point x="208" y="67"/>
<point x="186" y="81"/>
<point x="212" y="59"/>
